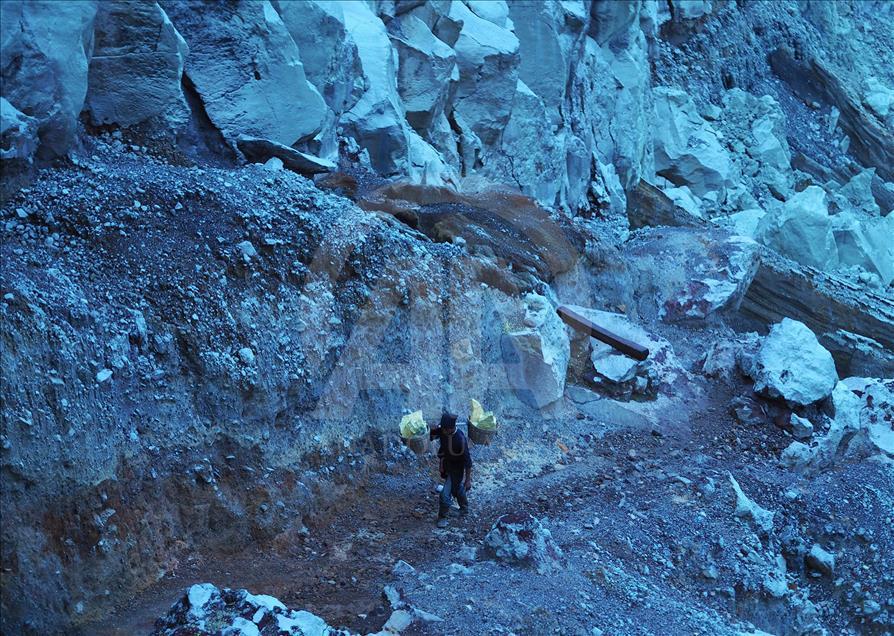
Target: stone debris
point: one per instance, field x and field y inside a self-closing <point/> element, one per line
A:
<point x="862" y="425"/>
<point x="619" y="373"/>
<point x="522" y="538"/>
<point x="207" y="609"/>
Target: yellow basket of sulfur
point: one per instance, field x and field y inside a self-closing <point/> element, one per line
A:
<point x="414" y="431"/>
<point x="482" y="424"/>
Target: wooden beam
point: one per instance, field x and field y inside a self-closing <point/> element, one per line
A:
<point x="587" y="326"/>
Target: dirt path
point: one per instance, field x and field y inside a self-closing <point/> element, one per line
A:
<point x="338" y="568"/>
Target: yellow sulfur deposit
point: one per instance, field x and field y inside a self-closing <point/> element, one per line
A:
<point x="412" y="425"/>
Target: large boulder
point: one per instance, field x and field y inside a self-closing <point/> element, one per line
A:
<point x="687" y="149"/>
<point x="536" y="357"/>
<point x="802" y="229"/>
<point x="792" y="365"/>
<point x="692" y="275"/>
<point x="247" y="70"/>
<point x="137" y="65"/>
<point x="328" y="52"/>
<point x="44" y="48"/>
<point x="523" y="539"/>
<point x="488" y="58"/>
<point x="427" y="66"/>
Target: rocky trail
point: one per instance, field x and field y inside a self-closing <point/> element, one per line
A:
<point x="654" y="498"/>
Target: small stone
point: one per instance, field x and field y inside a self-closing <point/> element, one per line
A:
<point x="802" y="428"/>
<point x="402" y="568"/>
<point x="103" y="375"/>
<point x="820" y="560"/>
<point x="247" y="355"/>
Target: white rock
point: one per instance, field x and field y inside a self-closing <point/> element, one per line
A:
<point x="103" y="374"/>
<point x="536" y="358"/>
<point x="273" y="164"/>
<point x="878" y="97"/>
<point x="265" y="94"/>
<point x="247" y="355"/>
<point x="687" y="149"/>
<point x="18" y="133"/>
<point x="747" y="509"/>
<point x="867" y="243"/>
<point x="861" y="426"/>
<point x="792" y="365"/>
<point x="802" y="230"/>
<point x="496" y="11"/>
<point x="683" y="198"/>
<point x="51" y="44"/>
<point x="744" y="223"/>
<point x="137" y="65"/>
<point x="661" y="369"/>
<point x="821" y="560"/>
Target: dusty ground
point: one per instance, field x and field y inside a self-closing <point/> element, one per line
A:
<point x="643" y="513"/>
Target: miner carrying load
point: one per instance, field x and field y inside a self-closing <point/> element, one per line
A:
<point x="454" y="461"/>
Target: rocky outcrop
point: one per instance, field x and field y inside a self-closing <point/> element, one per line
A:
<point x="44" y="51"/>
<point x="263" y="94"/>
<point x="827" y="305"/>
<point x="687" y="149"/>
<point x="814" y="79"/>
<point x="790" y="364"/>
<point x="536" y="357"/>
<point x="136" y="66"/>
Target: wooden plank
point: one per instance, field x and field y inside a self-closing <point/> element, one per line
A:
<point x="587" y="326"/>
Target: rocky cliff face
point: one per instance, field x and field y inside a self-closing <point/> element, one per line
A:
<point x="733" y="109"/>
<point x="200" y="351"/>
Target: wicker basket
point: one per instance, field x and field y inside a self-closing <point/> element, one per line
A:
<point x="418" y="443"/>
<point x="480" y="435"/>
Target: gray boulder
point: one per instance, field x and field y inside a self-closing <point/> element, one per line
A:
<point x="137" y="65"/>
<point x="328" y="53"/>
<point x="792" y="365"/>
<point x="44" y="48"/>
<point x="536" y="357"/>
<point x="427" y="67"/>
<point x="247" y="71"/>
